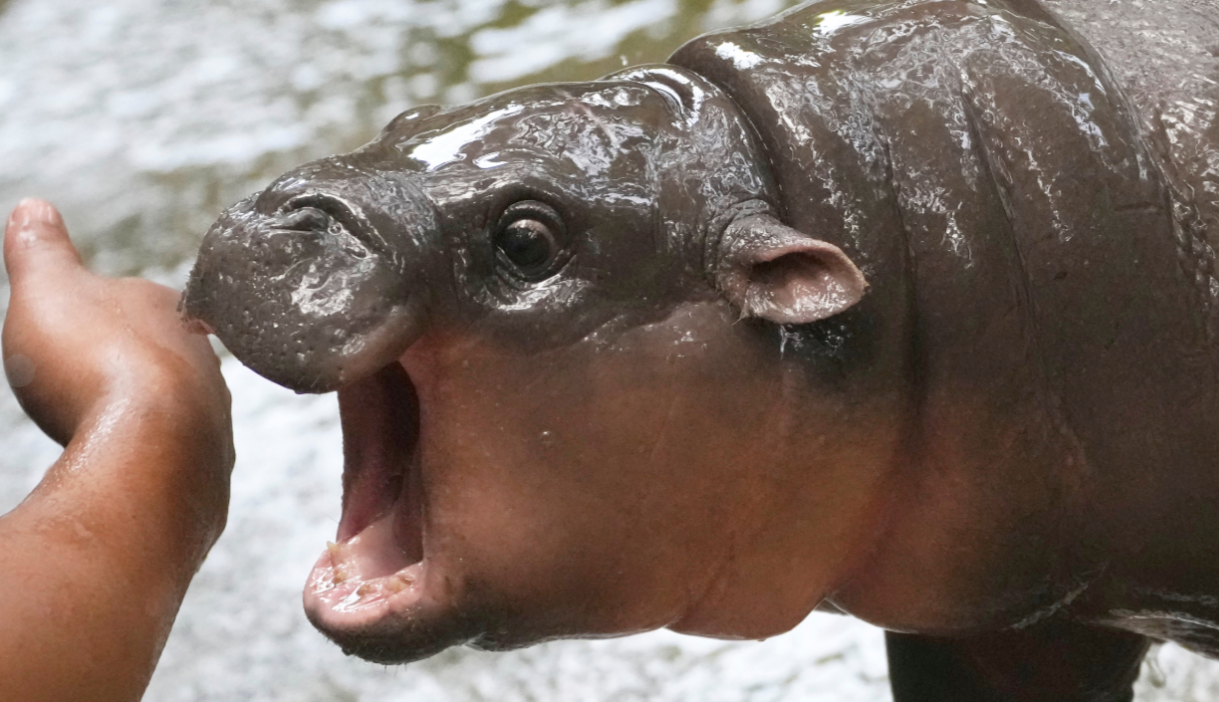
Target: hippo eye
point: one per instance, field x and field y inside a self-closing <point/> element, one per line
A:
<point x="528" y="237"/>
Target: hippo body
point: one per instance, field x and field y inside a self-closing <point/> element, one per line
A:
<point x="901" y="309"/>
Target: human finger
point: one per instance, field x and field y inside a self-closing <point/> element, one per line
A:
<point x="37" y="248"/>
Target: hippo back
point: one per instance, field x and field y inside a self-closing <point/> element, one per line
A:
<point x="1165" y="55"/>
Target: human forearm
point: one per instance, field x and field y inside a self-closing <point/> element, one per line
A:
<point x="98" y="558"/>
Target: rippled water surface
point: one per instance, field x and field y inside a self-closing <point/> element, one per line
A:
<point x="142" y="119"/>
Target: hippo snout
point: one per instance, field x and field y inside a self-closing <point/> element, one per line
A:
<point x="306" y="289"/>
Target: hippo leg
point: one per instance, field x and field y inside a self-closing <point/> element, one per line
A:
<point x="1061" y="661"/>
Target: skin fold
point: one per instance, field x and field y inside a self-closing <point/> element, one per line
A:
<point x="98" y="557"/>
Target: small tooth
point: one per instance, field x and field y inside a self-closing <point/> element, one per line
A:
<point x="337" y="553"/>
<point x="398" y="583"/>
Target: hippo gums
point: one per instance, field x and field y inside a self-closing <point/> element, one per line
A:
<point x="903" y="309"/>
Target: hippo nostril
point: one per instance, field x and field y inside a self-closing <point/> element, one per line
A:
<point x="305" y="219"/>
<point x="318" y="212"/>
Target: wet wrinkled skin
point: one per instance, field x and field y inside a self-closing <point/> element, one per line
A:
<point x="607" y="360"/>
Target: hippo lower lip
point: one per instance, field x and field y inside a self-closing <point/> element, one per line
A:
<point x="378" y="568"/>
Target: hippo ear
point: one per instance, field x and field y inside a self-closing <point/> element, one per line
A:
<point x="772" y="271"/>
<point x="406" y="124"/>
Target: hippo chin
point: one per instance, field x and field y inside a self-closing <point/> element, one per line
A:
<point x="901" y="309"/>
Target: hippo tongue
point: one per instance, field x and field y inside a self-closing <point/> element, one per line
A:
<point x="380" y="548"/>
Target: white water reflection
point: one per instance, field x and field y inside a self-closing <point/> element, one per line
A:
<point x="447" y="147"/>
<point x="142" y="119"/>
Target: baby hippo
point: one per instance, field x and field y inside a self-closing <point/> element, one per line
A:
<point x="903" y="309"/>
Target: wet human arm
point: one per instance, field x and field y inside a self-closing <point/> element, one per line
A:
<point x="95" y="562"/>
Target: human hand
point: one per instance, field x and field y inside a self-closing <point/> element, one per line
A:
<point x="98" y="558"/>
<point x="77" y="345"/>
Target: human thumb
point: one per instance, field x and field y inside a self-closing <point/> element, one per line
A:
<point x="36" y="245"/>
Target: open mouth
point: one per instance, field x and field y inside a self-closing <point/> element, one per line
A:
<point x="377" y="566"/>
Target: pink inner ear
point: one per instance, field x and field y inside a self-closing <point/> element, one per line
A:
<point x="794" y="281"/>
<point x="789" y="269"/>
<point x="802" y="284"/>
<point x="777" y="273"/>
<point x="800" y="247"/>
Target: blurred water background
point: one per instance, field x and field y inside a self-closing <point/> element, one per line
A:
<point x="142" y="119"/>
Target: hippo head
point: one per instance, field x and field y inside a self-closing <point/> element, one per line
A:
<point x="550" y="318"/>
